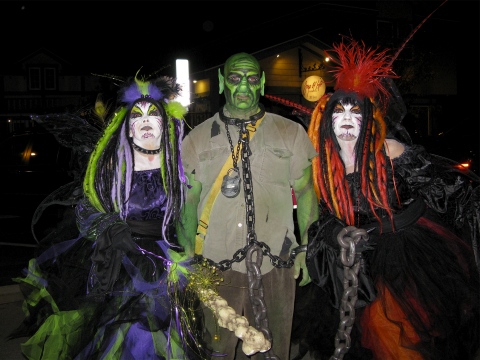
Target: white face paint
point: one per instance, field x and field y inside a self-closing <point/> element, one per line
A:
<point x="347" y="119"/>
<point x="145" y="125"/>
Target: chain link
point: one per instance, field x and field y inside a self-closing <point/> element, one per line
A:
<point x="348" y="238"/>
<point x="234" y="156"/>
<point x="240" y="254"/>
<point x="254" y="273"/>
<point x="256" y="291"/>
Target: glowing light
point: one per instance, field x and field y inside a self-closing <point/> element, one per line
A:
<point x="183" y="78"/>
<point x="462" y="166"/>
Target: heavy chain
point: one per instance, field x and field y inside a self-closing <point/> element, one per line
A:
<point x="254" y="273"/>
<point x="241" y="253"/>
<point x="234" y="156"/>
<point x="347" y="238"/>
<point x="255" y="288"/>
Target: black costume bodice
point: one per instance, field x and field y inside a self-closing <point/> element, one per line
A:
<point x="147" y="198"/>
<point x="399" y="191"/>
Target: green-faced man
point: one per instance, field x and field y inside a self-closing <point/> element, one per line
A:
<point x="243" y="84"/>
<point x="215" y="225"/>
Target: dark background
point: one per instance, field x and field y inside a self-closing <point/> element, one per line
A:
<point x="120" y="37"/>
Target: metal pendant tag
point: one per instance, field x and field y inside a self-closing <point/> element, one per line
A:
<point x="231" y="183"/>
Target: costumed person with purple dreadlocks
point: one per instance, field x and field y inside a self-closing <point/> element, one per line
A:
<point x="117" y="290"/>
<point x="411" y="217"/>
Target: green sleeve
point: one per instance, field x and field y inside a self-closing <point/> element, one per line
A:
<point x="307" y="204"/>
<point x="187" y="227"/>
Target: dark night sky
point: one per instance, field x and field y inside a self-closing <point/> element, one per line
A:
<point x="119" y="37"/>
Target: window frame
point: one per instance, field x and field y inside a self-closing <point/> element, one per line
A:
<point x="50" y="78"/>
<point x="34" y="78"/>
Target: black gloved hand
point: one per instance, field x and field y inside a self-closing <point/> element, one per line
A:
<point x="121" y="238"/>
<point x="107" y="256"/>
<point x="324" y="264"/>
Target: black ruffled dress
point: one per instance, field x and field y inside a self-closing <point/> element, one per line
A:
<point x="102" y="296"/>
<point x="419" y="291"/>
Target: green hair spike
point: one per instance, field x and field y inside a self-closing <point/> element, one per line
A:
<point x="89" y="181"/>
<point x="175" y="109"/>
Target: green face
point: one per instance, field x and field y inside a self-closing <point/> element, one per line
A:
<point x="243" y="84"/>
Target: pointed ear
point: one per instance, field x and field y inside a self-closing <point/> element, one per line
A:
<point x="220" y="81"/>
<point x="262" y="82"/>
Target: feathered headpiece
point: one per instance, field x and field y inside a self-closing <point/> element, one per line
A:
<point x="162" y="89"/>
<point x="361" y="70"/>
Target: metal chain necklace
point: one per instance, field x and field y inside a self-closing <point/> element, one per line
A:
<point x="254" y="273"/>
<point x="241" y="253"/>
<point x="347" y="241"/>
<point x="231" y="181"/>
<point x="255" y="288"/>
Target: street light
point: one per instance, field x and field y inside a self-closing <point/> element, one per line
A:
<point x="183" y="78"/>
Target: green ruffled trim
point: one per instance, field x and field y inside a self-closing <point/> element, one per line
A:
<point x="116" y="349"/>
<point x="58" y="334"/>
<point x="39" y="292"/>
<point x="58" y="337"/>
<point x="176" y="267"/>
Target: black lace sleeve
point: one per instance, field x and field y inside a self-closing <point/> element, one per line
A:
<point x="91" y="222"/>
<point x="449" y="190"/>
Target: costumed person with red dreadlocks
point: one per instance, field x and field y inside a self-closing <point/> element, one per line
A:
<point x="396" y="244"/>
<point x="117" y="290"/>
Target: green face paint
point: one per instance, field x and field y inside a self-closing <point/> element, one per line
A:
<point x="243" y="85"/>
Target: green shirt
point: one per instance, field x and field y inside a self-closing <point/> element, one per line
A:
<point x="281" y="150"/>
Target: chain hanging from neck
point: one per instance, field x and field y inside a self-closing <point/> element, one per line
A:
<point x="240" y="254"/>
<point x="254" y="274"/>
<point x="231" y="181"/>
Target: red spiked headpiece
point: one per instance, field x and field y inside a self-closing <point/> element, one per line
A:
<point x="360" y="69"/>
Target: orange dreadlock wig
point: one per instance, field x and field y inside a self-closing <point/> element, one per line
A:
<point x="359" y="72"/>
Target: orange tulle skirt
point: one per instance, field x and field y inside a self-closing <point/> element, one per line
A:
<point x="389" y="338"/>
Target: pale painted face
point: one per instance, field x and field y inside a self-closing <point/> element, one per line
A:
<point x="347" y="119"/>
<point x="146" y="125"/>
